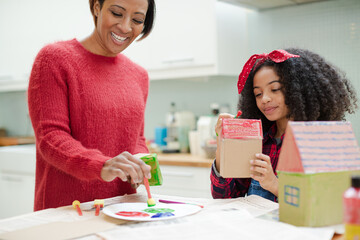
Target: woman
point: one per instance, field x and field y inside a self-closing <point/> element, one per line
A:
<point x="87" y="103"/>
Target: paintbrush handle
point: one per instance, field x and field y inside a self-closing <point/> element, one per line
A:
<point x="146" y="183"/>
<point x="168" y="201"/>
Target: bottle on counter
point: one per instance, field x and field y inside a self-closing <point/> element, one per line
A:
<point x="172" y="138"/>
<point x="351" y="201"/>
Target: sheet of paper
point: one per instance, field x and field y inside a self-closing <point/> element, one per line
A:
<point x="221" y="224"/>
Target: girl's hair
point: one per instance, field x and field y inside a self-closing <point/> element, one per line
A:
<point x="313" y="90"/>
<point x="149" y="19"/>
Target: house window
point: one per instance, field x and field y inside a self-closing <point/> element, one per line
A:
<point x="292" y="195"/>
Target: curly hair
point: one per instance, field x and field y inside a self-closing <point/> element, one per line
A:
<point x="313" y="90"/>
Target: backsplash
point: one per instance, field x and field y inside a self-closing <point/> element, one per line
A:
<point x="14" y="114"/>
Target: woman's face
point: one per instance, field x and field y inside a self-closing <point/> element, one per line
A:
<point x="269" y="96"/>
<point x="119" y="23"/>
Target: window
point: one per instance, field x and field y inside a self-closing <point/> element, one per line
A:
<point x="292" y="195"/>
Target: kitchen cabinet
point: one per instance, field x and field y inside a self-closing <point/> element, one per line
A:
<point x="193" y="39"/>
<point x="184" y="182"/>
<point x="17" y="180"/>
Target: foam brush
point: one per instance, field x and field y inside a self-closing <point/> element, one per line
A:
<point x="150" y="201"/>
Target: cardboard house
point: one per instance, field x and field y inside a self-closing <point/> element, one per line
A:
<point x="315" y="166"/>
<point x="240" y="140"/>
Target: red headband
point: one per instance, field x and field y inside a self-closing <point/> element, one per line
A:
<point x="277" y="56"/>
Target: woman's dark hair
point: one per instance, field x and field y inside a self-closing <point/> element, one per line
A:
<point x="314" y="90"/>
<point x="149" y="19"/>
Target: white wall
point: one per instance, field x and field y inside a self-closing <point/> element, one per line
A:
<point x="26" y="26"/>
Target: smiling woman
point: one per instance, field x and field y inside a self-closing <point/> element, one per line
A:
<point x="86" y="103"/>
<point x="118" y="23"/>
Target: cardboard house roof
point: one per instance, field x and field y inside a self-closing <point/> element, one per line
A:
<point x="311" y="147"/>
<point x="237" y="128"/>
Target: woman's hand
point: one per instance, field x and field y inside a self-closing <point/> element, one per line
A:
<point x="126" y="167"/>
<point x="262" y="171"/>
<point x="218" y="129"/>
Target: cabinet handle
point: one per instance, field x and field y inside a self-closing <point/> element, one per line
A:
<point x="178" y="174"/>
<point x="12" y="179"/>
<point x="179" y="60"/>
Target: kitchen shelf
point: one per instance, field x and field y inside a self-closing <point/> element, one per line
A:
<point x="13" y="86"/>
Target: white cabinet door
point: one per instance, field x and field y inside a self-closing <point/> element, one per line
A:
<point x="16" y="194"/>
<point x="183" y="36"/>
<point x="17" y="180"/>
<point x="190" y="38"/>
<point x="184" y="182"/>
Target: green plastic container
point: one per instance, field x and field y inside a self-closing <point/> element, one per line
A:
<point x="151" y="159"/>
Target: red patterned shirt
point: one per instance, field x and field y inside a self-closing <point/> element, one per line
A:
<point x="238" y="187"/>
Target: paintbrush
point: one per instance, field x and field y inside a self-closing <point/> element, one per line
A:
<point x="168" y="201"/>
<point x="150" y="201"/>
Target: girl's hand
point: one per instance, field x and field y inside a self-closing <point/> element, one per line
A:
<point x="218" y="129"/>
<point x="262" y="171"/>
<point x="126" y="167"/>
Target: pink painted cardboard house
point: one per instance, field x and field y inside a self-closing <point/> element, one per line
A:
<point x="316" y="162"/>
<point x="240" y="140"/>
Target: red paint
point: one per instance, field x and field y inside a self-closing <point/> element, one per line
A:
<point x="132" y="214"/>
<point x="236" y="128"/>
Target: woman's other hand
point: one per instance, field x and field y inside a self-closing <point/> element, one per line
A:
<point x="126" y="167"/>
<point x="262" y="171"/>
<point x="218" y="129"/>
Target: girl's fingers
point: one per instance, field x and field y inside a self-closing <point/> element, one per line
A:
<point x="259" y="170"/>
<point x="263" y="157"/>
<point x="259" y="163"/>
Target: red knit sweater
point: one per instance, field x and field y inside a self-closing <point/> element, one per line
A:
<point x="85" y="109"/>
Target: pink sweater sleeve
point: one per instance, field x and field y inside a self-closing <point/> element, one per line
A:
<point x="49" y="111"/>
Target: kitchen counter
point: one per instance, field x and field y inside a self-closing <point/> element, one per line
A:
<point x="184" y="159"/>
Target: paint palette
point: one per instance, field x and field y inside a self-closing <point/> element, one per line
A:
<point x="141" y="212"/>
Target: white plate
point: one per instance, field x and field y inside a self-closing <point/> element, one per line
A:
<point x="179" y="210"/>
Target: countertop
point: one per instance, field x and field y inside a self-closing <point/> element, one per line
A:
<point x="184" y="159"/>
<point x="172" y="159"/>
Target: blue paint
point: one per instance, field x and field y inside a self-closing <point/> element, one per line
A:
<point x="162" y="214"/>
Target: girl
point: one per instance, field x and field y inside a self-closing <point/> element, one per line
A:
<point x="296" y="85"/>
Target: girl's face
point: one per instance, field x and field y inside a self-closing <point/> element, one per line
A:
<point x="269" y="97"/>
<point x="119" y="23"/>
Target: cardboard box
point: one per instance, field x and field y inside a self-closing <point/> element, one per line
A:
<point x="151" y="159"/>
<point x="315" y="164"/>
<point x="240" y="140"/>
